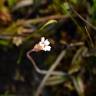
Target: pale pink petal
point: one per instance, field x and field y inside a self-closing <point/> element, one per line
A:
<point x="41" y="44"/>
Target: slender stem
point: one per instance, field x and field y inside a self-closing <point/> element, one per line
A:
<point x="54" y="65"/>
<point x="44" y="19"/>
<point x="39" y="70"/>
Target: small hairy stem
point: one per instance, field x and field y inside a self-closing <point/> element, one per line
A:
<point x="39" y="70"/>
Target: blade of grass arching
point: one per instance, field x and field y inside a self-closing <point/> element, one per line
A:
<point x="46" y="19"/>
<point x="54" y="80"/>
<point x="77" y="60"/>
<point x="84" y="20"/>
<point x="69" y="14"/>
<point x="82" y="30"/>
<point x="91" y="42"/>
<point x="48" y="23"/>
<point x="41" y="29"/>
<point x="79" y="85"/>
<point x="79" y="26"/>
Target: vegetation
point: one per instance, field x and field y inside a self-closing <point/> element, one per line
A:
<point x="63" y="63"/>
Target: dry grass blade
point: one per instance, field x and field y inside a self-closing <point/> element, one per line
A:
<point x="91" y="42"/>
<point x="79" y="85"/>
<point x="54" y="65"/>
<point x="77" y="60"/>
<point x="88" y="23"/>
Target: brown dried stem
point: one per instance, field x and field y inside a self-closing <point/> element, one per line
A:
<point x="44" y="19"/>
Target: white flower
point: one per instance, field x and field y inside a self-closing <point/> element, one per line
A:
<point x="42" y="45"/>
<point x="45" y="44"/>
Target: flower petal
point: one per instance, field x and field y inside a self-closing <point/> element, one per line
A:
<point x="42" y="39"/>
<point x="46" y="42"/>
<point x="47" y="48"/>
<point x="41" y="44"/>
